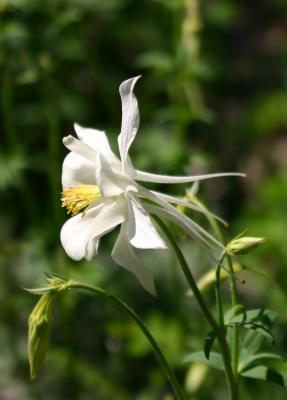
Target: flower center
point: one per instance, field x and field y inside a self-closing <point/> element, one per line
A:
<point x="78" y="199"/>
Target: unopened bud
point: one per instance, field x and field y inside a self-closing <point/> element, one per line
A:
<point x="40" y="322"/>
<point x="243" y="245"/>
<point x="39" y="332"/>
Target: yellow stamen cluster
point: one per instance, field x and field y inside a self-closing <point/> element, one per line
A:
<point x="78" y="199"/>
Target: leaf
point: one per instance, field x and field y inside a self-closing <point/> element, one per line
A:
<point x="233" y="312"/>
<point x="266" y="374"/>
<point x="252" y="341"/>
<point x="259" y="320"/>
<point x="258" y="328"/>
<point x="208" y="343"/>
<point x="214" y="361"/>
<point x="267" y="317"/>
<point x="248" y="360"/>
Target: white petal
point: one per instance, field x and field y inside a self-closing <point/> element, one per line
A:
<point x="80" y="234"/>
<point x="187" y="227"/>
<point x="124" y="255"/>
<point x="179" y="201"/>
<point x="142" y="233"/>
<point x="80" y="148"/>
<point x="147" y="177"/>
<point x="111" y="214"/>
<point x="75" y="234"/>
<point x="130" y="120"/>
<point x="77" y="170"/>
<point x="97" y="140"/>
<point x="110" y="181"/>
<point x="180" y="218"/>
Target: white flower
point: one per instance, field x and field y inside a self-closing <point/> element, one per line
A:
<point x="101" y="191"/>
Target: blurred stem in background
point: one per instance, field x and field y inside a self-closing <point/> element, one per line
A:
<point x="13" y="142"/>
<point x="50" y="95"/>
<point x="7" y="109"/>
<point x="185" y="91"/>
<point x="190" y="41"/>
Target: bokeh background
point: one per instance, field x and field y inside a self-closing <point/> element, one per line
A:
<point x="212" y="98"/>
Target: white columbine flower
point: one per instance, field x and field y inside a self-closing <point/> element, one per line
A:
<point x="102" y="191"/>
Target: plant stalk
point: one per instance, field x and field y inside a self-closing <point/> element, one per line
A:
<point x="135" y="317"/>
<point x="235" y="333"/>
<point x="233" y="389"/>
<point x="232" y="285"/>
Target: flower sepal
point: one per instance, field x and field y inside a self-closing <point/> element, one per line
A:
<point x="243" y="244"/>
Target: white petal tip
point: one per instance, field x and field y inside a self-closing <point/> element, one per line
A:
<point x="67" y="140"/>
<point x="129" y="84"/>
<point x="77" y="126"/>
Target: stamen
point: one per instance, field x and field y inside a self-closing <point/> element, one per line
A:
<point x="78" y="199"/>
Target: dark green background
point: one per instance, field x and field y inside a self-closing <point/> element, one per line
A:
<point x="212" y="98"/>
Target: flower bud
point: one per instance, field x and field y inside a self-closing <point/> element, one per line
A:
<point x="39" y="329"/>
<point x="40" y="321"/>
<point x="243" y="245"/>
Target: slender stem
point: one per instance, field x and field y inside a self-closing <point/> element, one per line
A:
<point x="209" y="317"/>
<point x="135" y="317"/>
<point x="232" y="285"/>
<point x="235" y="333"/>
<point x="218" y="294"/>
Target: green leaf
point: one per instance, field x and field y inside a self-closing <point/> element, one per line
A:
<point x="259" y="320"/>
<point x="267" y="317"/>
<point x="214" y="361"/>
<point x="208" y="343"/>
<point x="247" y="360"/>
<point x="267" y="374"/>
<point x="233" y="312"/>
<point x="252" y="342"/>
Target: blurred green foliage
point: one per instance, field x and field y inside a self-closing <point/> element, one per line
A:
<point x="213" y="97"/>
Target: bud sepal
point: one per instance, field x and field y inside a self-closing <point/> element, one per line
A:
<point x="244" y="244"/>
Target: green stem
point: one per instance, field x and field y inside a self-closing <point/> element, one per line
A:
<point x="218" y="294"/>
<point x="135" y="317"/>
<point x="232" y="285"/>
<point x="235" y="333"/>
<point x="209" y="317"/>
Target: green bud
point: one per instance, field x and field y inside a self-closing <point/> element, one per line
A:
<point x="39" y="330"/>
<point x="243" y="245"/>
<point x="40" y="322"/>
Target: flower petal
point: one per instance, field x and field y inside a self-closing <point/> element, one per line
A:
<point x="77" y="170"/>
<point x="75" y="234"/>
<point x="80" y="148"/>
<point x="112" y="182"/>
<point x="112" y="214"/>
<point x="182" y="220"/>
<point x="130" y="120"/>
<point x="187" y="204"/>
<point x="141" y="231"/>
<point x="97" y="140"/>
<point x="124" y="255"/>
<point x="80" y="234"/>
<point x="147" y="177"/>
